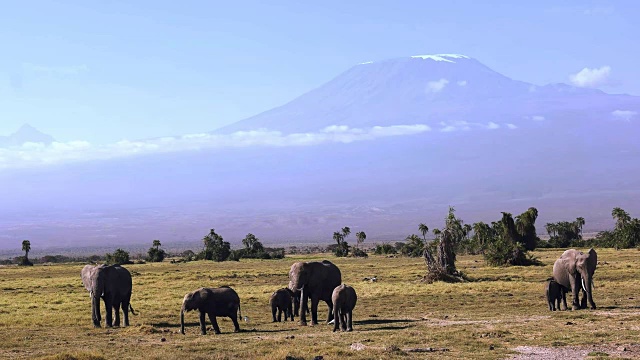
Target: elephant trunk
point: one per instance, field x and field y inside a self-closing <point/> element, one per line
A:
<point x="95" y="309"/>
<point x="182" y="320"/>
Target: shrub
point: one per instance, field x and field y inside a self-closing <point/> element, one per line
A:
<point x="119" y="257"/>
<point x="356" y="252"/>
<point x="385" y="249"/>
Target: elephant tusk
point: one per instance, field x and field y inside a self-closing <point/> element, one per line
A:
<point x="584" y="287"/>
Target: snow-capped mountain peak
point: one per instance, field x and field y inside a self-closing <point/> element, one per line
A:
<point x="441" y="57"/>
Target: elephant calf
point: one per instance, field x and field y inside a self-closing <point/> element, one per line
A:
<point x="556" y="293"/>
<point x="282" y="301"/>
<point x="222" y="301"/>
<point x="344" y="300"/>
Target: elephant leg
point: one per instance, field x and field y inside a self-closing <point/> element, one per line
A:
<point x="203" y="323"/>
<point x="214" y="322"/>
<point x="564" y="301"/>
<point x="125" y="311"/>
<point x="116" y="310"/>
<point x="274" y="309"/>
<point x="314" y="310"/>
<point x="108" y="309"/>
<point x="583" y="301"/>
<point x="575" y="292"/>
<point x="343" y="320"/>
<point x="336" y="319"/>
<point x="304" y="297"/>
<point x="350" y="320"/>
<point x="234" y="318"/>
<point x="279" y="315"/>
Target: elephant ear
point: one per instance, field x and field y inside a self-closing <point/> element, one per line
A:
<point x="592" y="260"/>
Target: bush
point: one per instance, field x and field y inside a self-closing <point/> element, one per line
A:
<point x="24" y="261"/>
<point x="119" y="257"/>
<point x="356" y="252"/>
<point x="385" y="249"/>
<point x="156" y="255"/>
<point x="215" y="248"/>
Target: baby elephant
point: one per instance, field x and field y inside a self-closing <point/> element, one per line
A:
<point x="344" y="300"/>
<point x="222" y="301"/>
<point x="555" y="294"/>
<point x="282" y="301"/>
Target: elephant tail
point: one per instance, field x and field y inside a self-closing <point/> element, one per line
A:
<point x="132" y="311"/>
<point x="246" y="319"/>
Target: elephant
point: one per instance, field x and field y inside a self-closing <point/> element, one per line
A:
<point x="282" y="301"/>
<point x="222" y="301"/>
<point x="113" y="284"/>
<point x="315" y="280"/>
<point x="574" y="269"/>
<point x="555" y="294"/>
<point x="344" y="300"/>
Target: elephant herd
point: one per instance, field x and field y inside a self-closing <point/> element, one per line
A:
<point x="307" y="280"/>
<point x="316" y="281"/>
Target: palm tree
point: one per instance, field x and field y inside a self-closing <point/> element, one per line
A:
<point x="26" y="247"/>
<point x="338" y="237"/>
<point x="580" y="221"/>
<point x="361" y="236"/>
<point x="346" y="231"/>
<point x="551" y="229"/>
<point x="424" y="229"/>
<point x="622" y="217"/>
<point x="156" y="244"/>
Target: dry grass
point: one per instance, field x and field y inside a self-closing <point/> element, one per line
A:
<point x="45" y="312"/>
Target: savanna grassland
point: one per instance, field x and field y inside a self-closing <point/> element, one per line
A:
<point x="45" y="312"/>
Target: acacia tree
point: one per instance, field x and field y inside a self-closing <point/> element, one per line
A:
<point x="252" y="244"/>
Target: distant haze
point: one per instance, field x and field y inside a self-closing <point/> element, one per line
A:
<point x="382" y="147"/>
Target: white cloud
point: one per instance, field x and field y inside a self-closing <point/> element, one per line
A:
<point x="437" y="86"/>
<point x="591" y="77"/>
<point x="462" y="83"/>
<point x="35" y="154"/>
<point x="535" y="118"/>
<point x="625" y="115"/>
<point x="491" y="125"/>
<point x="511" y="126"/>
<point x="56" y="70"/>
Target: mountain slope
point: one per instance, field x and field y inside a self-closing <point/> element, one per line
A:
<point x="427" y="89"/>
<point x="26" y="134"/>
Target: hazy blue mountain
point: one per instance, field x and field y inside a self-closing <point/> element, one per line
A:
<point x="26" y="134"/>
<point x="495" y="144"/>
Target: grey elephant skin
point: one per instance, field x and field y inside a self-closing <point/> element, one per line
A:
<point x="316" y="281"/>
<point x="222" y="301"/>
<point x="344" y="300"/>
<point x="113" y="284"/>
<point x="574" y="270"/>
<point x="556" y="294"/>
<point x="281" y="301"/>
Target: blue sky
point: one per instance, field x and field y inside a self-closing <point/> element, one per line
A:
<point x="106" y="71"/>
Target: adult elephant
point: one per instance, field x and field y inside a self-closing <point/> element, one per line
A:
<point x="113" y="284"/>
<point x="574" y="270"/>
<point x="315" y="280"/>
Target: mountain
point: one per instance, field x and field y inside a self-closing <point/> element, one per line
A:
<point x="26" y="134"/>
<point x="495" y="144"/>
<point x="429" y="89"/>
